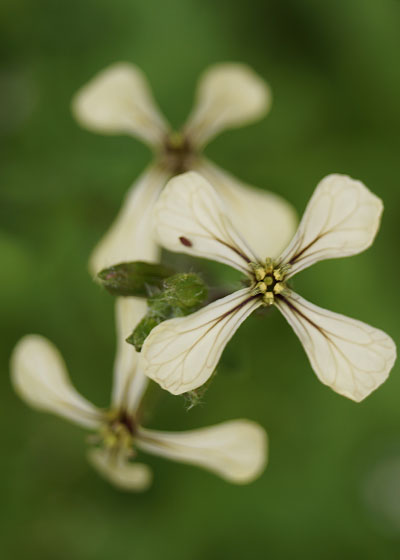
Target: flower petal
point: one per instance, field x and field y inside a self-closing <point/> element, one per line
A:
<point x="235" y="450"/>
<point x="181" y="354"/>
<point x="129" y="381"/>
<point x="40" y="377"/>
<point x="349" y="356"/>
<point x="131" y="238"/>
<point x="134" y="477"/>
<point x="268" y="220"/>
<point x="229" y="95"/>
<point x="118" y="100"/>
<point x="190" y="218"/>
<point x="341" y="219"/>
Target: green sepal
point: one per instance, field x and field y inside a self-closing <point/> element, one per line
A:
<point x="181" y="294"/>
<point x="134" y="278"/>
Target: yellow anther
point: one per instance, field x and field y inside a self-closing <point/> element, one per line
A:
<point x="104" y="431"/>
<point x="279" y="288"/>
<point x="269" y="266"/>
<point x="115" y="434"/>
<point x="268" y="298"/>
<point x="279" y="274"/>
<point x="259" y="273"/>
<point x="126" y="441"/>
<point x="110" y="439"/>
<point x="261" y="287"/>
<point x="111" y="416"/>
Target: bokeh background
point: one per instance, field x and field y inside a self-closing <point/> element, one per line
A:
<point x="332" y="487"/>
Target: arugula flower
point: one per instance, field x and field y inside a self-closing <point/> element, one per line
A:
<point x="341" y="219"/>
<point x="235" y="450"/>
<point x="119" y="101"/>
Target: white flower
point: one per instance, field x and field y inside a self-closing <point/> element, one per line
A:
<point x="341" y="219"/>
<point x="119" y="101"/>
<point x="235" y="450"/>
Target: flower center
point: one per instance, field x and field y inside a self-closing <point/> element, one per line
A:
<point x="269" y="280"/>
<point x="118" y="431"/>
<point x="178" y="154"/>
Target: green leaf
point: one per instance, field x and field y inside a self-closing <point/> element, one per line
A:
<point x="134" y="278"/>
<point x="181" y="294"/>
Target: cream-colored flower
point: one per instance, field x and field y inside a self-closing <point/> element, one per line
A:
<point x="236" y="450"/>
<point x="119" y="101"/>
<point x="341" y="219"/>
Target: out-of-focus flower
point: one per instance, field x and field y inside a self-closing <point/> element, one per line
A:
<point x="236" y="450"/>
<point x="341" y="219"/>
<point x="119" y="101"/>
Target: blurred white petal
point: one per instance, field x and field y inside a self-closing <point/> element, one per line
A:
<point x="40" y="377"/>
<point x="341" y="219"/>
<point x="190" y="218"/>
<point x="129" y="382"/>
<point x="235" y="450"/>
<point x="229" y="95"/>
<point x="118" y="100"/>
<point x="115" y="468"/>
<point x="131" y="238"/>
<point x="266" y="219"/>
<point x="181" y="354"/>
<point x="349" y="356"/>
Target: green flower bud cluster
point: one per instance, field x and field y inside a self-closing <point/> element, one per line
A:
<point x="134" y="278"/>
<point x="180" y="295"/>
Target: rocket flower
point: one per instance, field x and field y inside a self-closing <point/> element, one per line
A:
<point x="235" y="450"/>
<point x="119" y="101"/>
<point x="341" y="219"/>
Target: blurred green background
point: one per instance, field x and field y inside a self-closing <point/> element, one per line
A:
<point x="332" y="487"/>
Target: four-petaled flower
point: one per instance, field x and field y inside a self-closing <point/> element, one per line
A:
<point x="341" y="219"/>
<point x="235" y="450"/>
<point x="119" y="101"/>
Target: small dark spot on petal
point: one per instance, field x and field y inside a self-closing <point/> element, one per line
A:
<point x="185" y="241"/>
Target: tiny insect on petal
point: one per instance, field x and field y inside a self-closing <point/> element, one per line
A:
<point x="190" y="217"/>
<point x="185" y="241"/>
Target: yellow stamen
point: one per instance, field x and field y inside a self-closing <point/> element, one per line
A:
<point x="269" y="265"/>
<point x="261" y="287"/>
<point x="278" y="275"/>
<point x="259" y="273"/>
<point x="268" y="298"/>
<point x="279" y="288"/>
